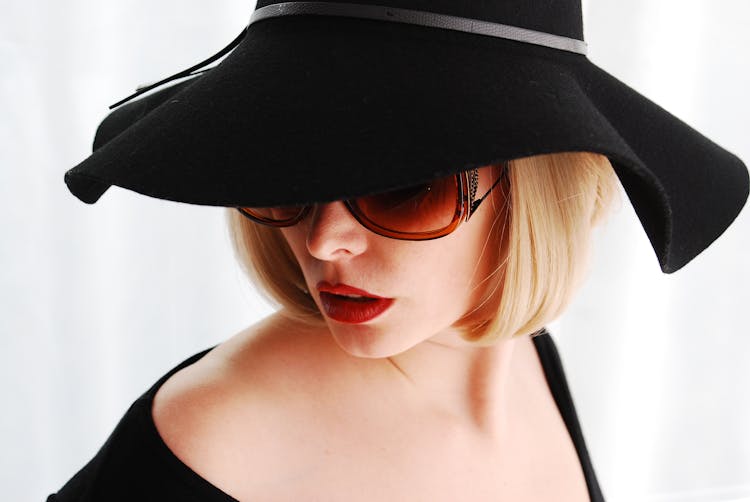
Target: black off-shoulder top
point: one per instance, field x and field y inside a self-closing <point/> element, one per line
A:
<point x="134" y="463"/>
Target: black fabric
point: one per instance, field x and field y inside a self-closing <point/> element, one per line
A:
<point x="121" y="118"/>
<point x="558" y="384"/>
<point x="317" y="108"/>
<point x="134" y="464"/>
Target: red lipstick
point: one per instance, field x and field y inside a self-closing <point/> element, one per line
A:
<point x="351" y="305"/>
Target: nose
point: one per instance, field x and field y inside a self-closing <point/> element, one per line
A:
<point x="333" y="232"/>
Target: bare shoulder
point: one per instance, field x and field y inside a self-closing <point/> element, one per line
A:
<point x="232" y="412"/>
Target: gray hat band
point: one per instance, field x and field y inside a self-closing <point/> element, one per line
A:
<point x="408" y="16"/>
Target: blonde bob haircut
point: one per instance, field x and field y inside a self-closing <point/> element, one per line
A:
<point x="553" y="202"/>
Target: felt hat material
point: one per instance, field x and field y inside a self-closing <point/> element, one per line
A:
<point x="313" y="108"/>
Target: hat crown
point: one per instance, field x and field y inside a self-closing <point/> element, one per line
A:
<point x="558" y="17"/>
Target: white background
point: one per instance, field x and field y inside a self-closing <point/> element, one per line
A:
<point x="97" y="302"/>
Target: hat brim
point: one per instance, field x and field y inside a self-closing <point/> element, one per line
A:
<point x="316" y="108"/>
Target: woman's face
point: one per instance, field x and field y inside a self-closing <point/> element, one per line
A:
<point x="432" y="283"/>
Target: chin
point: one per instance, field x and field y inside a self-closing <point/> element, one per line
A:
<point x="366" y="342"/>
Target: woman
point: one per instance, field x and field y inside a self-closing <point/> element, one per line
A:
<point x="358" y="158"/>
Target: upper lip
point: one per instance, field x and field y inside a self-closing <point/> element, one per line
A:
<point x="343" y="289"/>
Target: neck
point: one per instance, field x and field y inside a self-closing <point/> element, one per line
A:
<point x="472" y="384"/>
<point x="441" y="377"/>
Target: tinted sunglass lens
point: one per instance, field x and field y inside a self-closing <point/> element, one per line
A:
<point x="426" y="207"/>
<point x="274" y="214"/>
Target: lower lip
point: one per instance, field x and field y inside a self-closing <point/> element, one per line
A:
<point x="351" y="311"/>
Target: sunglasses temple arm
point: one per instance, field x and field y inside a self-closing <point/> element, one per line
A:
<point x="184" y="73"/>
<point x="476" y="203"/>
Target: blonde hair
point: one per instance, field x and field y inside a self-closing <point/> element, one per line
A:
<point x="553" y="202"/>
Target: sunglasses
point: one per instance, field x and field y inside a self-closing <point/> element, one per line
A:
<point x="415" y="213"/>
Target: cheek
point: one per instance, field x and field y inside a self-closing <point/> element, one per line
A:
<point x="436" y="280"/>
<point x="296" y="242"/>
<point x="441" y="278"/>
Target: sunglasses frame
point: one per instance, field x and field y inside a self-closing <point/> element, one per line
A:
<point x="466" y="205"/>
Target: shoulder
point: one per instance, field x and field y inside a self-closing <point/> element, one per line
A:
<point x="198" y="411"/>
<point x="239" y="410"/>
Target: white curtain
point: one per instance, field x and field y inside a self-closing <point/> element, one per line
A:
<point x="97" y="302"/>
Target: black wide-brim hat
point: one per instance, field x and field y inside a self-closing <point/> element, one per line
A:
<point x="321" y="101"/>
